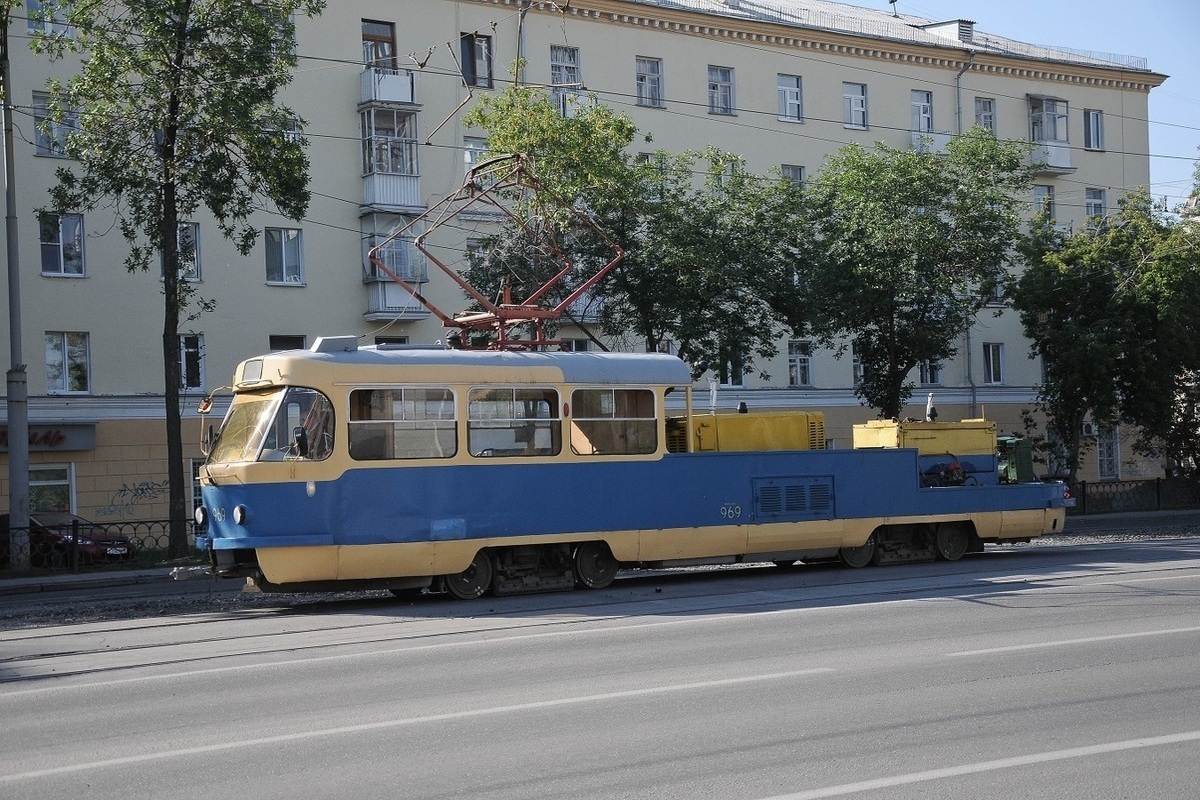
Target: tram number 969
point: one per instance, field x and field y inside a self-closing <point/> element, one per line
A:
<point x="731" y="511"/>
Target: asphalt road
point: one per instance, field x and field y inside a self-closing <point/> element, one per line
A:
<point x="1062" y="671"/>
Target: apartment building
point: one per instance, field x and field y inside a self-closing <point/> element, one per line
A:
<point x="382" y="86"/>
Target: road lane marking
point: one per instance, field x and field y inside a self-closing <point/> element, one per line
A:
<point x="989" y="766"/>
<point x="538" y="705"/>
<point x="1068" y="642"/>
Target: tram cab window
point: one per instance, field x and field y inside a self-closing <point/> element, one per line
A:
<point x="401" y="422"/>
<point x="613" y="422"/>
<point x="276" y="425"/>
<point x="511" y="421"/>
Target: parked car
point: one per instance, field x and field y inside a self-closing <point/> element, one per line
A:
<point x="52" y="541"/>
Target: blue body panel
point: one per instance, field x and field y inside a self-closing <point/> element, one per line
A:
<point x="495" y="500"/>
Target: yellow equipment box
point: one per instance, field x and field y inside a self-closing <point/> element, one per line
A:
<point x="969" y="437"/>
<point x="768" y="430"/>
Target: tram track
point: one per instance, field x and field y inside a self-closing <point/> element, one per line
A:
<point x="434" y="621"/>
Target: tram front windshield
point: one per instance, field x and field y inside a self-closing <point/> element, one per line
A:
<point x="281" y="424"/>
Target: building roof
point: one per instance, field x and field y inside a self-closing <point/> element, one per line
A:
<point x="874" y="23"/>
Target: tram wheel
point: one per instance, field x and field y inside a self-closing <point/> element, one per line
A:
<point x="952" y="541"/>
<point x="594" y="565"/>
<point x="473" y="581"/>
<point x="861" y="556"/>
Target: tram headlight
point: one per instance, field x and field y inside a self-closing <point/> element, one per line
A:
<point x="201" y="516"/>
<point x="239" y="515"/>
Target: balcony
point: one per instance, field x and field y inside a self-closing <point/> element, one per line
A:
<point x="390" y="302"/>
<point x="930" y="142"/>
<point x="381" y="85"/>
<point x="389" y="192"/>
<point x="1052" y="158"/>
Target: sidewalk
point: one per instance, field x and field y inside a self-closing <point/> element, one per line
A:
<point x="1092" y="524"/>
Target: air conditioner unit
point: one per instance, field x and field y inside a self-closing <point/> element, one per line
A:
<point x="1087" y="429"/>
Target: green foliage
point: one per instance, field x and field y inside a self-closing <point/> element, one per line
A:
<point x="911" y="244"/>
<point x="705" y="243"/>
<point x="1111" y="312"/>
<point x="176" y="110"/>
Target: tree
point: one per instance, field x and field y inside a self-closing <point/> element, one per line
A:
<point x="1111" y="312"/>
<point x="703" y="239"/>
<point x="176" y="102"/>
<point x="909" y="243"/>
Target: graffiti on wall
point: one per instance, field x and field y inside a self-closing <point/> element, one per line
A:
<point x="123" y="500"/>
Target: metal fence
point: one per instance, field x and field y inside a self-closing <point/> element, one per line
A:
<point x="86" y="546"/>
<point x="1157" y="494"/>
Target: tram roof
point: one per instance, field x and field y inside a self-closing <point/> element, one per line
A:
<point x="588" y="367"/>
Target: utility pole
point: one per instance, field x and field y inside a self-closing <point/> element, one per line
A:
<point x="18" y="388"/>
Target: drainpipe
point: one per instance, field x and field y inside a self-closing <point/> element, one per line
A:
<point x="958" y="111"/>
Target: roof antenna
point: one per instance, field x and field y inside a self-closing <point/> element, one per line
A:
<point x="894" y="14"/>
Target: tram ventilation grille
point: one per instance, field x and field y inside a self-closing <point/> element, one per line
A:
<point x="794" y="497"/>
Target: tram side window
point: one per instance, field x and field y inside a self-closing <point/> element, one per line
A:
<point x="510" y="421"/>
<point x="613" y="422"/>
<point x="402" y="422"/>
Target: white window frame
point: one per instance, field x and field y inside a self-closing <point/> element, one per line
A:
<point x="36" y="482"/>
<point x="1048" y="119"/>
<point x="1043" y="200"/>
<point x="931" y="373"/>
<point x="56" y="25"/>
<point x="191" y="362"/>
<point x="800" y="363"/>
<point x="985" y="113"/>
<point x="279" y="239"/>
<point x="993" y="363"/>
<point x="721" y="90"/>
<point x="379" y="48"/>
<point x="854" y="105"/>
<point x="476" y="51"/>
<point x="189" y="263"/>
<point x="69" y="239"/>
<point x="794" y="173"/>
<point x="566" y="77"/>
<point x="72" y="359"/>
<point x="1093" y="129"/>
<point x="51" y="137"/>
<point x="1094" y="202"/>
<point x="1108" y="453"/>
<point x="921" y="103"/>
<point x="389" y="140"/>
<point x="649" y="82"/>
<point x="790" y="89"/>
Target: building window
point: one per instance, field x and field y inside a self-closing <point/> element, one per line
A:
<point x="52" y="487"/>
<point x="720" y="90"/>
<point x="389" y="139"/>
<point x="61" y="244"/>
<point x="285" y="251"/>
<point x="1108" y="453"/>
<point x="993" y="363"/>
<point x="476" y="60"/>
<point x="1047" y="120"/>
<point x="474" y="150"/>
<point x="67" y="363"/>
<point x="191" y="362"/>
<point x="576" y="345"/>
<point x="278" y="342"/>
<point x="649" y="82"/>
<point x="1093" y="129"/>
<point x="931" y="373"/>
<point x="791" y="98"/>
<point x="189" y="250"/>
<point x="51" y="136"/>
<point x="793" y="173"/>
<point x="854" y="105"/>
<point x="1093" y="201"/>
<point x="800" y="364"/>
<point x="48" y="18"/>
<point x="922" y="111"/>
<point x="565" y="78"/>
<point x="379" y="44"/>
<point x="985" y="113"/>
<point x="729" y="373"/>
<point x="1043" y="200"/>
<point x="397" y="256"/>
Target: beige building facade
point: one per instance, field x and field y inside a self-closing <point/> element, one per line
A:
<point x="382" y="87"/>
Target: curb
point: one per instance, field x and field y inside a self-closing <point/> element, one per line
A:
<point x="59" y="583"/>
